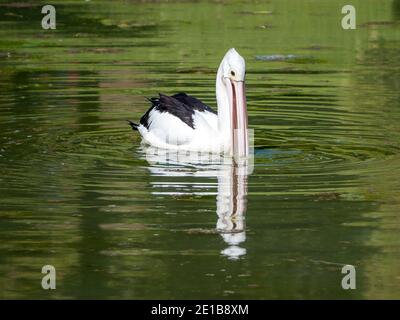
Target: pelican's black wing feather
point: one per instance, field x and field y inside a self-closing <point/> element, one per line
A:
<point x="179" y="105"/>
<point x="193" y="102"/>
<point x="171" y="105"/>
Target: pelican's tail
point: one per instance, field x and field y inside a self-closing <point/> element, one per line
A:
<point x="133" y="125"/>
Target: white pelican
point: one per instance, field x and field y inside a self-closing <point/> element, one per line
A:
<point x="182" y="122"/>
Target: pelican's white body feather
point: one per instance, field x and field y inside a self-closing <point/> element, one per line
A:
<point x="169" y="132"/>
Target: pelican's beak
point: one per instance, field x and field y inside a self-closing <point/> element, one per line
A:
<point x="240" y="140"/>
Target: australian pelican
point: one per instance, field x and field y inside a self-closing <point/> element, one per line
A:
<point x="182" y="122"/>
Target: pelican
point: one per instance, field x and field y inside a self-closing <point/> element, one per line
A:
<point x="182" y="122"/>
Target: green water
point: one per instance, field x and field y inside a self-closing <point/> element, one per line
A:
<point x="78" y="192"/>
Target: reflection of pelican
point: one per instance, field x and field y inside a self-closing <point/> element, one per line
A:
<point x="182" y="122"/>
<point x="231" y="193"/>
<point x="231" y="208"/>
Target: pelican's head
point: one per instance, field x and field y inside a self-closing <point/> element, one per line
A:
<point x="233" y="66"/>
<point x="232" y="72"/>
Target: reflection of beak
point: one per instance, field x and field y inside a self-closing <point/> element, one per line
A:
<point x="240" y="141"/>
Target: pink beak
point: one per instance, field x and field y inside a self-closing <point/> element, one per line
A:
<point x="240" y="140"/>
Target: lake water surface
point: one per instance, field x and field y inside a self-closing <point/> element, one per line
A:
<point x="77" y="191"/>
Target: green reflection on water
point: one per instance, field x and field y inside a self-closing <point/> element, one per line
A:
<point x="77" y="191"/>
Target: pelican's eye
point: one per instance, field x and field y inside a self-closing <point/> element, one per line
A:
<point x="232" y="73"/>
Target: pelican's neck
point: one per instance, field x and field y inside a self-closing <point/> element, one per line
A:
<point x="224" y="113"/>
